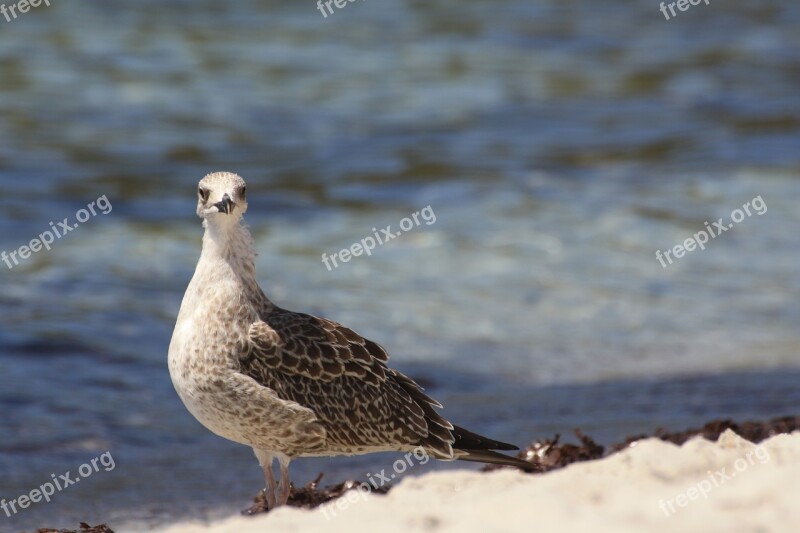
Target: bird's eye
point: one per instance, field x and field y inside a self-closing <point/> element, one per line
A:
<point x="242" y="191"/>
<point x="202" y="193"/>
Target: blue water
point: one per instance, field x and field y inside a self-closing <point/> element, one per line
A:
<point x="560" y="146"/>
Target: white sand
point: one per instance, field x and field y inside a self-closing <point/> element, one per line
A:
<point x="758" y="491"/>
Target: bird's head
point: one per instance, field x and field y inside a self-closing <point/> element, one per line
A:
<point x="221" y="199"/>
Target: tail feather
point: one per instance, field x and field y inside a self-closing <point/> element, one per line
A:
<point x="470" y="446"/>
<point x="488" y="456"/>
<point x="467" y="440"/>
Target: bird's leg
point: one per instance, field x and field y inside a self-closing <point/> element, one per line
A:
<point x="285" y="486"/>
<point x="272" y="486"/>
<point x="265" y="460"/>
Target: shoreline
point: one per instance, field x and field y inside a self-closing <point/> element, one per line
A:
<point x="653" y="485"/>
<point x="688" y="476"/>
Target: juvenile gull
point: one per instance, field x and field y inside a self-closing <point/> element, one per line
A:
<point x="290" y="384"/>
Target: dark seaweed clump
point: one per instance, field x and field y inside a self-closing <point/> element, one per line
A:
<point x="84" y="528"/>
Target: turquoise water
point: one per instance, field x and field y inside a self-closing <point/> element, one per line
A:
<point x="560" y="146"/>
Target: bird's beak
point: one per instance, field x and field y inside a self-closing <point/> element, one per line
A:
<point x="226" y="205"/>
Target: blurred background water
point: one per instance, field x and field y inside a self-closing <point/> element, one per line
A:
<point x="559" y="143"/>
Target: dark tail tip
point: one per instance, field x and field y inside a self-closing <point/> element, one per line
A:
<point x="470" y="446"/>
<point x="467" y="440"/>
<point x="488" y="456"/>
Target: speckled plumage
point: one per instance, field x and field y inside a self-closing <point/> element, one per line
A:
<point x="290" y="384"/>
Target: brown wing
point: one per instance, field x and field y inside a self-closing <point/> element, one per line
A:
<point x="343" y="378"/>
<point x="317" y="348"/>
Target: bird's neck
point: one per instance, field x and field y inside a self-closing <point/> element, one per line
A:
<point x="231" y="243"/>
<point x="228" y="254"/>
<point x="226" y="270"/>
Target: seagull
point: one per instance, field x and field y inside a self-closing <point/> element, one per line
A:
<point x="290" y="384"/>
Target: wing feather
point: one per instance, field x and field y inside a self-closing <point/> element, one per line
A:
<point x="317" y="348"/>
<point x="344" y="379"/>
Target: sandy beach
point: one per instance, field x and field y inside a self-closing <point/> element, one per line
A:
<point x="727" y="485"/>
